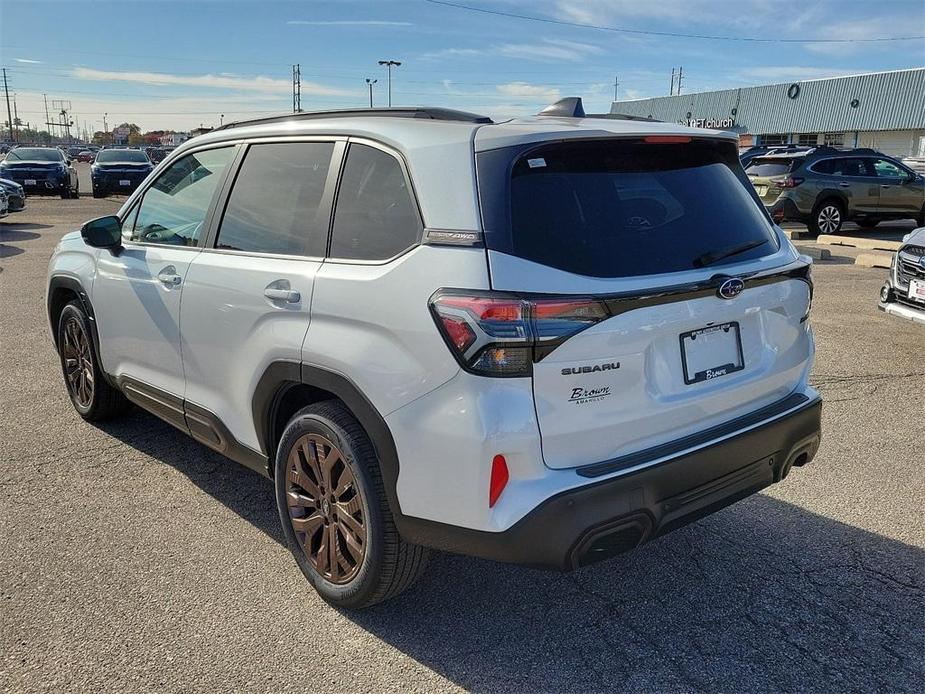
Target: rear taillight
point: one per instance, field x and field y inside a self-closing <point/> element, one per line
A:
<point x="789" y="182"/>
<point x="496" y="334"/>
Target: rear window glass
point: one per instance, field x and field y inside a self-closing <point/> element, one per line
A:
<point x="625" y="208"/>
<point x="769" y="167"/>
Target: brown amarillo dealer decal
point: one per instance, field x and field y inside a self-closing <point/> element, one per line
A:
<point x="581" y="396"/>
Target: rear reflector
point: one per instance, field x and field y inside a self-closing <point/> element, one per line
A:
<point x="499" y="478"/>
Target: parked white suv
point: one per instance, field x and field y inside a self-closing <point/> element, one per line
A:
<point x="544" y="341"/>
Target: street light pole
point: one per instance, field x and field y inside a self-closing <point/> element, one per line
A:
<point x="389" y="64"/>
<point x="370" y="84"/>
<point x="221" y="120"/>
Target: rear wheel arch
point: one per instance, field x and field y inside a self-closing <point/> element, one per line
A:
<point x="287" y="386"/>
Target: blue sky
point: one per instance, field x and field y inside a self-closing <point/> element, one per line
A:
<point x="178" y="64"/>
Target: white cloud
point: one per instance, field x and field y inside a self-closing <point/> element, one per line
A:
<point x="258" y="83"/>
<point x="26" y="60"/>
<point x="531" y="91"/>
<point x="546" y="50"/>
<point x="350" y="23"/>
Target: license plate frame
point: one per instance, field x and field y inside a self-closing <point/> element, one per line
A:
<point x="124" y="182"/>
<point x="723" y="369"/>
<point x="29" y="182"/>
<point x="916" y="290"/>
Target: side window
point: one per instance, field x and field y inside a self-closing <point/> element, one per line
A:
<point x="826" y="166"/>
<point x="275" y="205"/>
<point x="173" y="210"/>
<point x="376" y="217"/>
<point x="848" y="167"/>
<point x="129" y="222"/>
<point x="887" y="169"/>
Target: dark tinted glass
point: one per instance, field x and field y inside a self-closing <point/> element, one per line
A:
<point x="275" y="205"/>
<point x="849" y="167"/>
<point x="136" y="156"/>
<point x="35" y="154"/>
<point x="376" y="217"/>
<point x="769" y="167"/>
<point x="173" y="210"/>
<point x="620" y="209"/>
<point x="826" y="166"/>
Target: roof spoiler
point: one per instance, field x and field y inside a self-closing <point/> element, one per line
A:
<point x="569" y="107"/>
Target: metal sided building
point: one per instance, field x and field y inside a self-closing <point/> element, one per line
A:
<point x="881" y="110"/>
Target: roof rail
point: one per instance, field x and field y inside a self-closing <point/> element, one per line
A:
<point x="623" y="116"/>
<point x="569" y="107"/>
<point x="423" y="112"/>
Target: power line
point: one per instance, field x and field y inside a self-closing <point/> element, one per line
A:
<point x="671" y="34"/>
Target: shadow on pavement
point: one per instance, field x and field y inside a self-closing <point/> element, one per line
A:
<point x="9" y="251"/>
<point x="9" y="225"/>
<point x="763" y="596"/>
<point x="16" y="234"/>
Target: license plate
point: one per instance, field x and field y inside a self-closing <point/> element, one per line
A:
<point x="124" y="182"/>
<point x="917" y="290"/>
<point x="711" y="352"/>
<point x="761" y="190"/>
<point x="29" y="182"/>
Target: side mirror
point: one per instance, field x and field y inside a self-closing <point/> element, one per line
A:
<point x="105" y="232"/>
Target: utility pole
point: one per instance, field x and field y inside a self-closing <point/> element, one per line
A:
<point x="680" y="75"/>
<point x="616" y="83"/>
<point x="47" y="118"/>
<point x="671" y="89"/>
<point x="15" y="117"/>
<point x="370" y="83"/>
<point x="9" y="113"/>
<point x="296" y="88"/>
<point x="389" y="64"/>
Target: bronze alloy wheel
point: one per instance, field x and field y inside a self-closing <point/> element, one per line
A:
<point x="78" y="363"/>
<point x="325" y="508"/>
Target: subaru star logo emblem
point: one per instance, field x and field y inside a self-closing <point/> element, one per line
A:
<point x="731" y="288"/>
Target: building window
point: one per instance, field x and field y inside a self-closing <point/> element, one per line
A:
<point x="834" y="139"/>
<point x="779" y="139"/>
<point x="807" y="139"/>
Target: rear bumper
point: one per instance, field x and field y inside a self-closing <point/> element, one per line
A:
<point x="596" y="521"/>
<point x="785" y="209"/>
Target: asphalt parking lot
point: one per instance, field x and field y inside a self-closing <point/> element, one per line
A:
<point x="134" y="559"/>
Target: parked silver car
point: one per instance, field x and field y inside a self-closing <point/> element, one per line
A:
<point x="903" y="293"/>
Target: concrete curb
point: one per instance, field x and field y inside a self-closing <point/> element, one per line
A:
<point x="867" y="244"/>
<point x="813" y="252"/>
<point x="874" y="259"/>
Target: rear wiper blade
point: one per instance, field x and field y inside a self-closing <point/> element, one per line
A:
<point x="714" y="256"/>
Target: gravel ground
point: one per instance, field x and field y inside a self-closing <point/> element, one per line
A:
<point x="134" y="559"/>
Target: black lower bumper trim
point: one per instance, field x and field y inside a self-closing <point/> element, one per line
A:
<point x="674" y="447"/>
<point x="597" y="520"/>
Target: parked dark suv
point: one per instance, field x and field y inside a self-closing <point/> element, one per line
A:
<point x="825" y="187"/>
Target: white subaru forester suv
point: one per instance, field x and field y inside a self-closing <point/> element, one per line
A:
<point x="545" y="340"/>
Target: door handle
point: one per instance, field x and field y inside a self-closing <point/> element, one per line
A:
<point x="169" y="276"/>
<point x="884" y="185"/>
<point x="291" y="296"/>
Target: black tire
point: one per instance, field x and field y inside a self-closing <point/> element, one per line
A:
<point x="868" y="223"/>
<point x="98" y="193"/>
<point x="66" y="194"/>
<point x="827" y="218"/>
<point x="389" y="565"/>
<point x="921" y="220"/>
<point x="104" y="401"/>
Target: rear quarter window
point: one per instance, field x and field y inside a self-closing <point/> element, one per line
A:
<point x="620" y="208"/>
